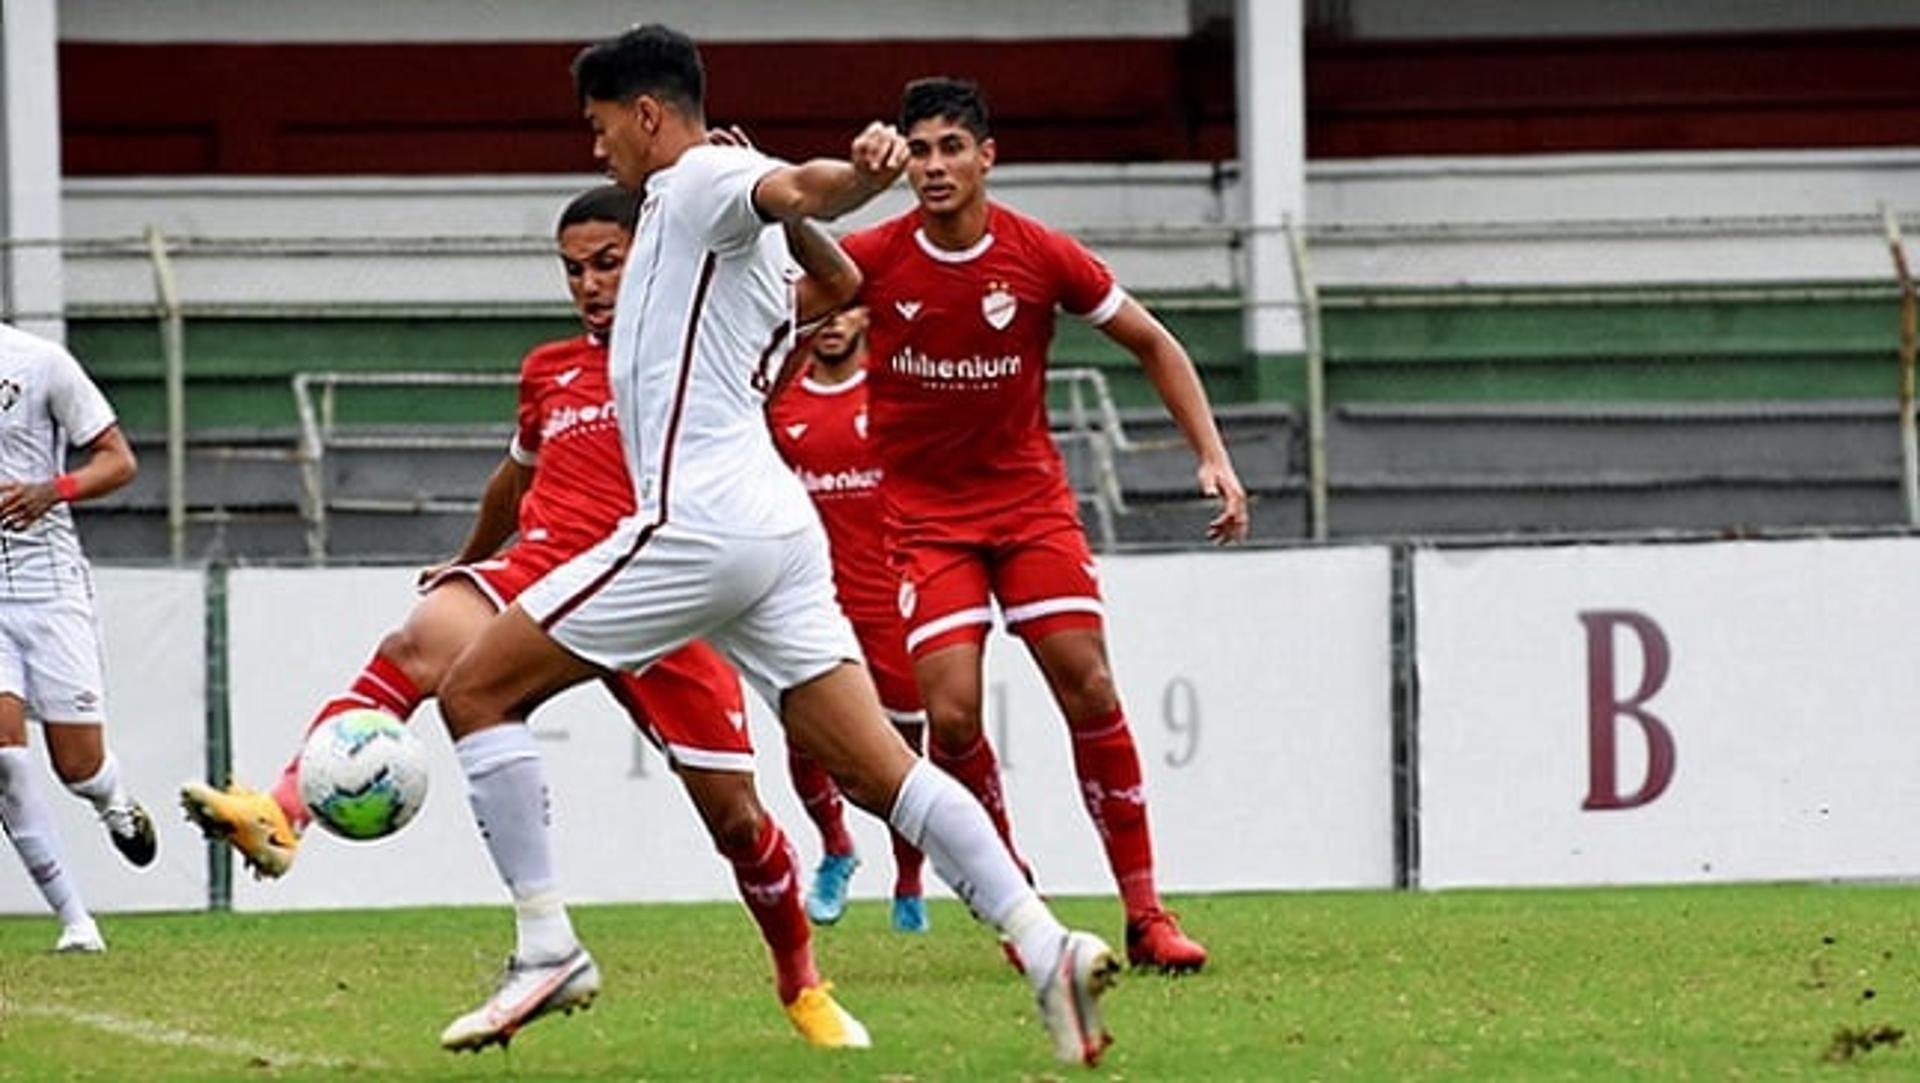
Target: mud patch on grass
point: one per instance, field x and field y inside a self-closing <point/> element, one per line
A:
<point x="1851" y="1042"/>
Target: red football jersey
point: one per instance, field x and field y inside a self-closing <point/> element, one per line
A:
<point x="566" y="421"/>
<point x="821" y="431"/>
<point x="959" y="346"/>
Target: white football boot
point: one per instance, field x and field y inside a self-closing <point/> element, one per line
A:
<point x="527" y="992"/>
<point x="1069" y="998"/>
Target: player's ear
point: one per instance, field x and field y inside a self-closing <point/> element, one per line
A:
<point x="649" y="112"/>
<point x="988" y="151"/>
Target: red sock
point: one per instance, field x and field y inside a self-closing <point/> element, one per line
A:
<point x="771" y="889"/>
<point x="1109" y="770"/>
<point x="978" y="770"/>
<point x="907" y="863"/>
<point x="382" y="685"/>
<point x="821" y="798"/>
<point x="907" y="859"/>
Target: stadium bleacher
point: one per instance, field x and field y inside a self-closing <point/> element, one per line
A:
<point x="1692" y="407"/>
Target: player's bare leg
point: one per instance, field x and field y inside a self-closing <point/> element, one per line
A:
<point x="512" y="667"/>
<point x="88" y="768"/>
<point x="766" y="871"/>
<point x="28" y="823"/>
<point x="265" y="826"/>
<point x="1074" y="661"/>
<point x="951" y="687"/>
<point x="836" y="719"/>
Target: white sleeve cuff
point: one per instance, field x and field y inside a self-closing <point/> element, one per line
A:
<point x="1108" y="308"/>
<point x="521" y="455"/>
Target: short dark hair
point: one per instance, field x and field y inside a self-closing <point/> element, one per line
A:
<point x="945" y="98"/>
<point x="607" y="203"/>
<point x="650" y="59"/>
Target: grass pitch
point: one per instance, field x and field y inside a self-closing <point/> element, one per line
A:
<point x="1797" y="981"/>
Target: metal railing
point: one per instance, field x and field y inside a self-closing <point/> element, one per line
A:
<point x="1091" y="419"/>
<point x="319" y="431"/>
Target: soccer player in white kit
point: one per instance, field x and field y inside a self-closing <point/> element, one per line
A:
<point x="725" y="546"/>
<point x="50" y="659"/>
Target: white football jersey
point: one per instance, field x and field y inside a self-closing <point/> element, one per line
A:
<point x="47" y="403"/>
<point x="704" y="320"/>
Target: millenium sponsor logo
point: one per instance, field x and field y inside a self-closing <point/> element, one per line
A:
<point x="912" y="362"/>
<point x="563" y="418"/>
<point x="841" y="481"/>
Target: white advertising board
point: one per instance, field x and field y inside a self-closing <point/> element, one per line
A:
<point x="154" y="625"/>
<point x="1661" y="713"/>
<point x="1257" y="684"/>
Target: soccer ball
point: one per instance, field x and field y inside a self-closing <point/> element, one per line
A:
<point x="363" y="774"/>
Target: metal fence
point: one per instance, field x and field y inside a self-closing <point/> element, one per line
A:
<point x="1091" y="420"/>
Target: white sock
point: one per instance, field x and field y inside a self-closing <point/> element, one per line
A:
<point x="29" y="824"/>
<point x="939" y="816"/>
<point x="507" y="787"/>
<point x="104" y="790"/>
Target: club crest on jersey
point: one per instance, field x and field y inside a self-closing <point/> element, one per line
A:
<point x="9" y="394"/>
<point x="860" y="424"/>
<point x="907" y="309"/>
<point x="998" y="304"/>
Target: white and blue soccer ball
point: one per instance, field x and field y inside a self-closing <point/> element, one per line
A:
<point x="363" y="774"/>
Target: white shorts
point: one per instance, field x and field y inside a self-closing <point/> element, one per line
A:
<point x="643" y="591"/>
<point x="50" y="657"/>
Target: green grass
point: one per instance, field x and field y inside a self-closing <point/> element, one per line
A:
<point x="1671" y="983"/>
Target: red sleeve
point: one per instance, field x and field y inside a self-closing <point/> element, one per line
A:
<point x="1086" y="287"/>
<point x="526" y="433"/>
<point x="864" y="247"/>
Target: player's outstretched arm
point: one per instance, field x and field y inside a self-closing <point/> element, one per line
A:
<point x="826" y="188"/>
<point x="832" y="280"/>
<point x="1178" y="383"/>
<point x="498" y="517"/>
<point x="110" y="464"/>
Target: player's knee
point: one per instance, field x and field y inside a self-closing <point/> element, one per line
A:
<point x="737" y="826"/>
<point x="466" y="705"/>
<point x="403" y="649"/>
<point x="952" y="724"/>
<point x="1086" y="690"/>
<point x="72" y="764"/>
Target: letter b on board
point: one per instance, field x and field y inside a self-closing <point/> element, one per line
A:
<point x="1605" y="707"/>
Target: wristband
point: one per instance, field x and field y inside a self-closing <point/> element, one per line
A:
<point x="66" y="488"/>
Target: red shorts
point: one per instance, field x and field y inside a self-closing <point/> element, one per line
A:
<point x="884" y="641"/>
<point x="688" y="703"/>
<point x="1036" y="563"/>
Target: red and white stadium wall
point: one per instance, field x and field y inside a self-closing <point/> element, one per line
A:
<point x="1581" y="715"/>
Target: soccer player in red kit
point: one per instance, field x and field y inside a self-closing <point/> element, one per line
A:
<point x="820" y="428"/>
<point x="564" y="483"/>
<point x="962" y="293"/>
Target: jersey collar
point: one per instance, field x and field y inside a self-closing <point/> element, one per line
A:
<point x="840" y="388"/>
<point x="965" y="255"/>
